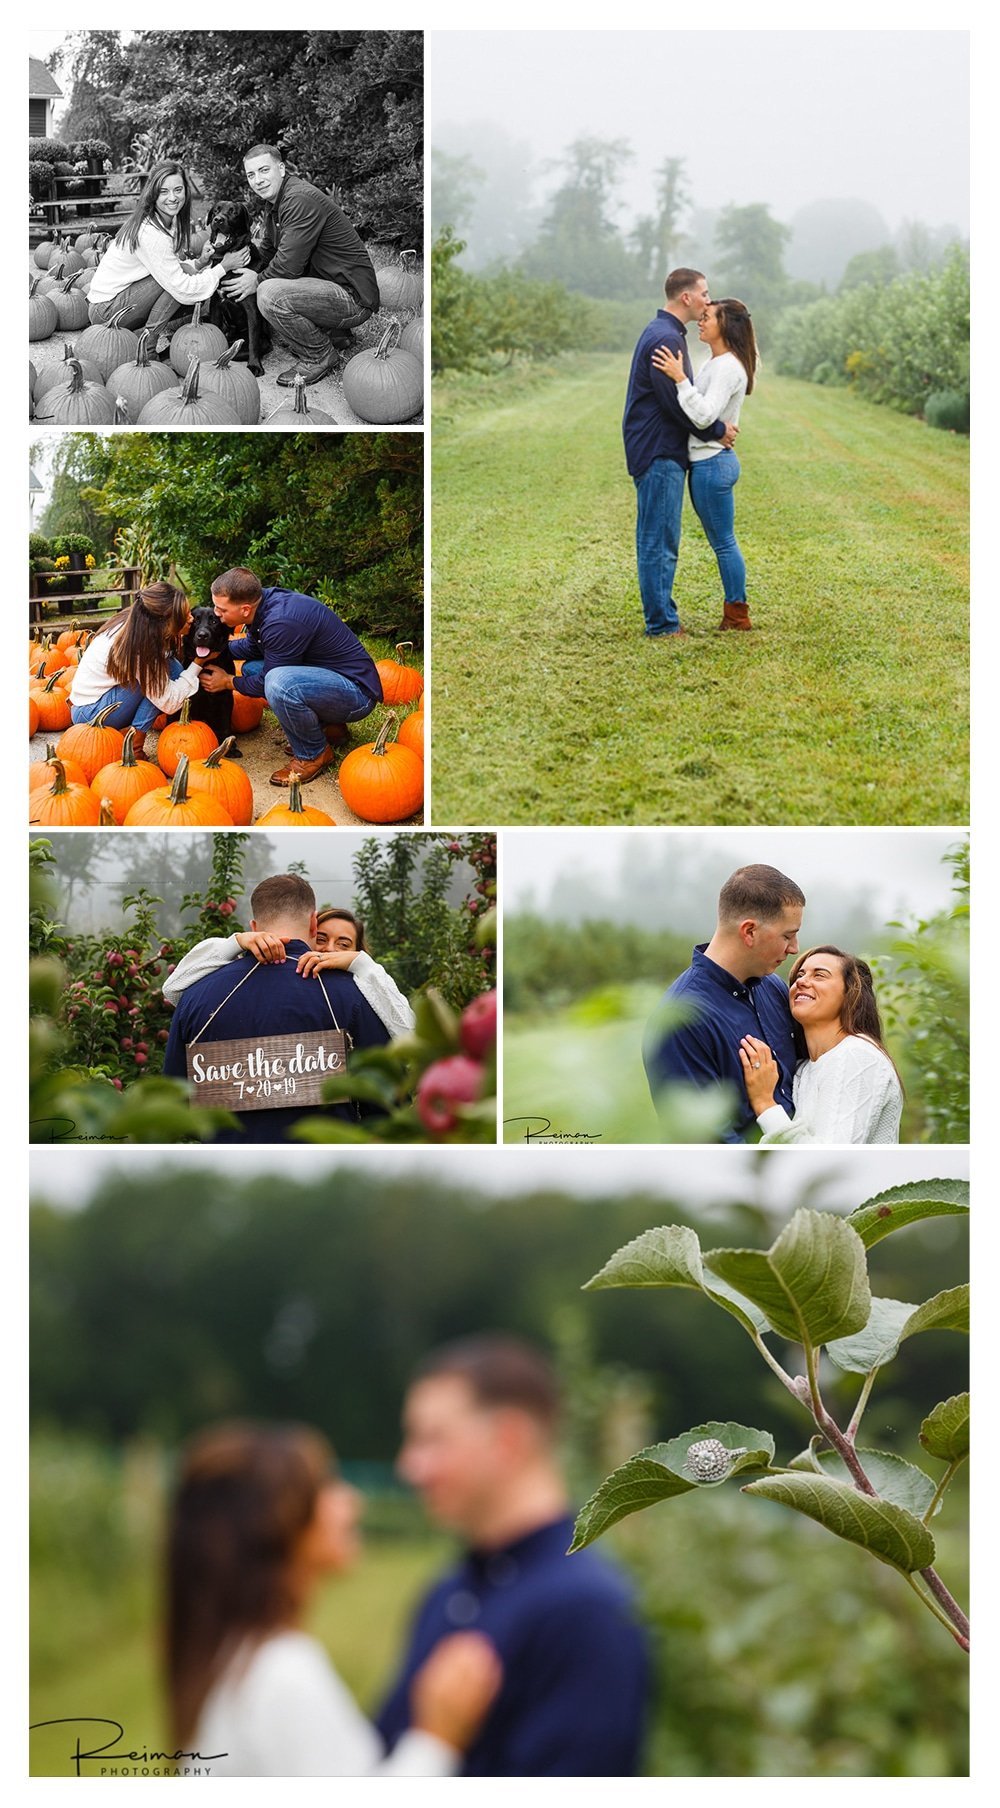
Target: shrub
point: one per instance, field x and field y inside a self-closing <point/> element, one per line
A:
<point x="39" y="547"/>
<point x="947" y="409"/>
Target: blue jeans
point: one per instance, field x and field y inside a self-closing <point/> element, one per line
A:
<point x="310" y="315"/>
<point x="305" y="698"/>
<point x="712" y="483"/>
<point x="131" y="708"/>
<point x="659" y="499"/>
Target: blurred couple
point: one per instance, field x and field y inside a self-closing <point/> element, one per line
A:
<point x="521" y="1661"/>
<point x="804" y="1061"/>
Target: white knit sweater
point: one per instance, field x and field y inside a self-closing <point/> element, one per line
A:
<point x="849" y="1095"/>
<point x="286" y="1713"/>
<point x="715" y="395"/>
<point x="93" y="679"/>
<point x="154" y="255"/>
<point x="373" y="982"/>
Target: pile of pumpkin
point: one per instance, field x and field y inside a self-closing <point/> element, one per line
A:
<point x="108" y="377"/>
<point x="92" y="777"/>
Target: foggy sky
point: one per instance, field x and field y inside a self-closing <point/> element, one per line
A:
<point x="768" y="116"/>
<point x="894" y="870"/>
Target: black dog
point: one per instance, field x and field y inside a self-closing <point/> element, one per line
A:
<point x="207" y="641"/>
<point x="228" y="228"/>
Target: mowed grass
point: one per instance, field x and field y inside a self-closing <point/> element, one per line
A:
<point x="847" y="704"/>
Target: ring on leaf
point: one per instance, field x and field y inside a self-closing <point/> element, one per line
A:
<point x="709" y="1461"/>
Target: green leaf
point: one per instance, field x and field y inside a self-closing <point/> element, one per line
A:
<point x="809" y="1458"/>
<point x="812" y="1283"/>
<point x="892" y="1477"/>
<point x="662" y="1472"/>
<point x="670" y="1256"/>
<point x="903" y="1205"/>
<point x="945" y="1431"/>
<point x="893" y="1320"/>
<point x="889" y="1532"/>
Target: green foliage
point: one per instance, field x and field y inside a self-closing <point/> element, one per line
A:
<point x="948" y="409"/>
<point x="924" y="1002"/>
<point x="548" y="964"/>
<point x="39" y="547"/>
<point x="750" y="265"/>
<point x="337" y="514"/>
<point x="402" y="891"/>
<point x="345" y="107"/>
<point x="578" y="244"/>
<point x="812" y="1287"/>
<point x="899" y="342"/>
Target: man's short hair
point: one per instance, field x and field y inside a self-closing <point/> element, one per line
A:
<point x="284" y="895"/>
<point x="263" y="150"/>
<point x="239" y="585"/>
<point x="757" y="891"/>
<point x="679" y="280"/>
<point x="500" y="1371"/>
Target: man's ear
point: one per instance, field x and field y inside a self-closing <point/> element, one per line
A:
<point x="747" y="931"/>
<point x="253" y="922"/>
<point x="313" y="927"/>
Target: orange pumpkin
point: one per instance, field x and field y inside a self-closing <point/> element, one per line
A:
<point x="400" y="683"/>
<point x="46" y="661"/>
<point x="170" y="807"/>
<point x="42" y="772"/>
<point x="226" y="781"/>
<point x="193" y="738"/>
<point x="64" y="806"/>
<point x="411" y="733"/>
<point x="52" y="704"/>
<point x="32" y="716"/>
<point x="382" y="781"/>
<point x="295" y="814"/>
<point x="92" y="743"/>
<point x="121" y="783"/>
<point x="248" y="712"/>
<point x="72" y="637"/>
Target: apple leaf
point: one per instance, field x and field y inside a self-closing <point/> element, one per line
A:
<point x="893" y="1320"/>
<point x="945" y="1431"/>
<point x="889" y="1532"/>
<point x="892" y="1477"/>
<point x="666" y="1470"/>
<point x="904" y="1205"/>
<point x="670" y="1256"/>
<point x="812" y="1283"/>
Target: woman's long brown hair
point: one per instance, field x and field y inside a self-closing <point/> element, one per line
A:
<point x="859" y="1013"/>
<point x="244" y="1496"/>
<point x="150" y="632"/>
<point x="736" y="328"/>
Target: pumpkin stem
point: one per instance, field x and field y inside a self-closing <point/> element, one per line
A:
<point x="219" y="753"/>
<point x="295" y="795"/>
<point x="189" y="387"/>
<point x="389" y="340"/>
<point x="101" y="720"/>
<point x="142" y="349"/>
<point x="379" y="744"/>
<point x="224" y="360"/>
<point x="107" y="818"/>
<point x="59" y="785"/>
<point x="403" y="646"/>
<point x="128" y="751"/>
<point x="179" y="788"/>
<point x="301" y="401"/>
<point x="407" y="259"/>
<point x="116" y="319"/>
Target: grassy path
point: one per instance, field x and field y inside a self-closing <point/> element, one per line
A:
<point x="846" y="705"/>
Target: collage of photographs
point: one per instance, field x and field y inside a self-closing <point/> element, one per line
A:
<point x="563" y="1370"/>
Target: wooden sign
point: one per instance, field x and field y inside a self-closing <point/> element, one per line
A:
<point x="265" y="1073"/>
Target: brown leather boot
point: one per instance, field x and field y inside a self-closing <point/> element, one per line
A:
<point x="303" y="770"/>
<point x="735" y="615"/>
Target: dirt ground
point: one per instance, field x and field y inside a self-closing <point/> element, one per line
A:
<point x="327" y="395"/>
<point x="263" y="752"/>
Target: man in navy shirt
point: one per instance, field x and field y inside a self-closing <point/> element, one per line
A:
<point x="274" y="999"/>
<point x="312" y="669"/>
<point x="732" y="990"/>
<point x="656" y="432"/>
<point x="479" y="1426"/>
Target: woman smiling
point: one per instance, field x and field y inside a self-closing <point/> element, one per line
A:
<point x="847" y="1090"/>
<point x="141" y="277"/>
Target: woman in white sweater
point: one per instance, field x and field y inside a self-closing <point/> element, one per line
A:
<point x="145" y="275"/>
<point x="847" y="1090"/>
<point x="131" y="667"/>
<point x="717" y="395"/>
<point x="259" y="1521"/>
<point x="339" y="947"/>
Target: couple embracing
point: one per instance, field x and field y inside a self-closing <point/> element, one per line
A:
<point x="678" y="425"/>
<point x="804" y="1061"/>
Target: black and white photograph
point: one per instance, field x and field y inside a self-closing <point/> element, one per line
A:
<point x="226" y="228"/>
